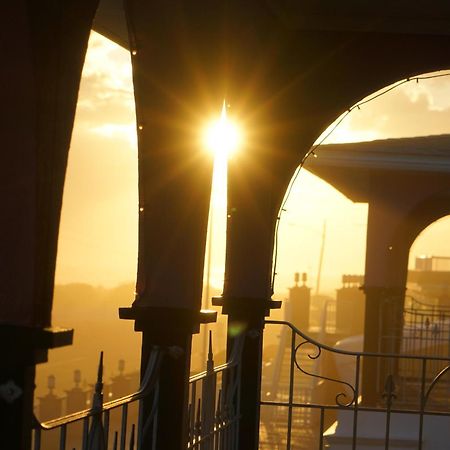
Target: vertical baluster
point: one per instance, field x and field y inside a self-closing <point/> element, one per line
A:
<point x="189" y="425"/>
<point x="237" y="383"/>
<point x="193" y="403"/>
<point x="154" y="416"/>
<point x="226" y="423"/>
<point x="85" y="433"/>
<point x="142" y="428"/>
<point x="231" y="400"/>
<point x="389" y="394"/>
<point x="62" y="437"/>
<point x="217" y="426"/>
<point x="132" y="437"/>
<point x="291" y="391"/>
<point x="198" y="426"/>
<point x="356" y="404"/>
<point x="212" y="412"/>
<point x="116" y="436"/>
<point x="226" y="394"/>
<point x="322" y="419"/>
<point x="422" y="401"/>
<point x="106" y="428"/>
<point x="233" y="430"/>
<point x="227" y="383"/>
<point x="223" y="418"/>
<point x="37" y="438"/>
<point x="123" y="430"/>
<point x="208" y="399"/>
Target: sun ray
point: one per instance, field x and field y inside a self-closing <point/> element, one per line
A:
<point x="222" y="137"/>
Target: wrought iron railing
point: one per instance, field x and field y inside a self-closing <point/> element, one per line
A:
<point x="423" y="330"/>
<point x="95" y="431"/>
<point x="214" y="405"/>
<point x="322" y="405"/>
<point x="214" y="411"/>
<point x="418" y="300"/>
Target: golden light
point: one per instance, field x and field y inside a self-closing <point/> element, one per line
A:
<point x="223" y="136"/>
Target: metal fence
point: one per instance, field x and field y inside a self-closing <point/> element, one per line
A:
<point x="214" y="408"/>
<point x="426" y="328"/>
<point x="320" y="405"/>
<point x="214" y="412"/>
<point x="92" y="429"/>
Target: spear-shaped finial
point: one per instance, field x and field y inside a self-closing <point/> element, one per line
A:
<point x="210" y="362"/>
<point x="97" y="401"/>
<point x="100" y="369"/>
<point x="389" y="391"/>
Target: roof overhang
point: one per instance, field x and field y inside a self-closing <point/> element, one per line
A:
<point x="429" y="17"/>
<point x="349" y="167"/>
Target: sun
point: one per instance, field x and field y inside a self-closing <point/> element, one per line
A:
<point x="222" y="136"/>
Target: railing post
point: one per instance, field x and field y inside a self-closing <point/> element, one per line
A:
<point x="97" y="439"/>
<point x="246" y="317"/>
<point x="21" y="349"/>
<point x="171" y="329"/>
<point x="16" y="387"/>
<point x="208" y="405"/>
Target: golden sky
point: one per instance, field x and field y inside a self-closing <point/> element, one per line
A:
<point x="98" y="236"/>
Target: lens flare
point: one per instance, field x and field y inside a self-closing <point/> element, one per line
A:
<point x="222" y="137"/>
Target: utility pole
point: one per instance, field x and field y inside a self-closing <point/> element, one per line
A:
<point x="322" y="249"/>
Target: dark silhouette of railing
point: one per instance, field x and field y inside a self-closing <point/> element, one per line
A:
<point x="95" y="421"/>
<point x="214" y="405"/>
<point x="214" y="410"/>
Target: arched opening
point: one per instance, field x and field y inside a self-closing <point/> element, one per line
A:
<point x="411" y="110"/>
<point x="97" y="248"/>
<point x="431" y="242"/>
<point x="427" y="305"/>
<point x="406" y="115"/>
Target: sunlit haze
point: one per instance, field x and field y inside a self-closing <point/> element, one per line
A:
<point x="99" y="223"/>
<point x="98" y="238"/>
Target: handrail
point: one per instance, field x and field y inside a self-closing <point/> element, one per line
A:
<point x="428" y="305"/>
<point x="430" y="313"/>
<point x="353" y="353"/>
<point x="149" y="380"/>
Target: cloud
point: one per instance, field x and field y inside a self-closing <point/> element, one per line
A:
<point x="413" y="109"/>
<point x="126" y="132"/>
<point x="106" y="90"/>
<point x="436" y="90"/>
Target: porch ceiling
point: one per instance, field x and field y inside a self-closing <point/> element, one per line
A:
<point x="384" y="16"/>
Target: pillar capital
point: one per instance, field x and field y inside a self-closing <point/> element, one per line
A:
<point x="30" y="343"/>
<point x="164" y="320"/>
<point x="384" y="292"/>
<point x="246" y="306"/>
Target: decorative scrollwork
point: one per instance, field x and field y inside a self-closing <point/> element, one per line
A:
<point x="433" y="384"/>
<point x="341" y="397"/>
